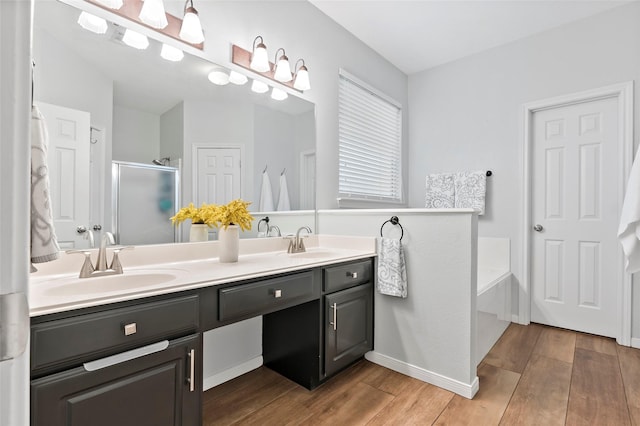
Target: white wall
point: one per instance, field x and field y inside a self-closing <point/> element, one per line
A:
<point x="136" y="135"/>
<point x="172" y="132"/>
<point x="467" y="114"/>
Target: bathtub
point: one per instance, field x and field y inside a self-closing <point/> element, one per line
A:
<point x="493" y="304"/>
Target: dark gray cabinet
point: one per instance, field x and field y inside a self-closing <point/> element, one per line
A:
<point x="348" y="329"/>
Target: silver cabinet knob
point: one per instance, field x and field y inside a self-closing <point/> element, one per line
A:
<point x="538" y="228"/>
<point x="81" y="229"/>
<point x="97" y="227"/>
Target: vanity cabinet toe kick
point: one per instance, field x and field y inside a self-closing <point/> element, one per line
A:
<point x="140" y="362"/>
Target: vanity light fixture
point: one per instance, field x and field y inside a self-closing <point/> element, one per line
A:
<point x="191" y="30"/>
<point x="301" y="77"/>
<point x="259" y="57"/>
<point x="278" y="94"/>
<point x="171" y="53"/>
<point x="259" y="87"/>
<point x="135" y="39"/>
<point x="236" y="78"/>
<point x="111" y="4"/>
<point x="282" y="70"/>
<point x="153" y="14"/>
<point x="92" y="23"/>
<point x="219" y="77"/>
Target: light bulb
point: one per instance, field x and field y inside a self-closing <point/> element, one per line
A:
<point x="153" y="14"/>
<point x="302" y="79"/>
<point x="191" y="30"/>
<point x="219" y="76"/>
<point x="259" y="59"/>
<point x="92" y="23"/>
<point x="135" y="40"/>
<point x="237" y="78"/>
<point x="259" y="87"/>
<point x="278" y="94"/>
<point x="171" y="53"/>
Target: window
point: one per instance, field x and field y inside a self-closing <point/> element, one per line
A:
<point x="370" y="143"/>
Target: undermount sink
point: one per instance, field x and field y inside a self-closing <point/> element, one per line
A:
<point x="129" y="280"/>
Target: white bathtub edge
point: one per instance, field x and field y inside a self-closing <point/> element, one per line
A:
<point x="456" y="386"/>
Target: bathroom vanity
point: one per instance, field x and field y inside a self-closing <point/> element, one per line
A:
<point x="139" y="361"/>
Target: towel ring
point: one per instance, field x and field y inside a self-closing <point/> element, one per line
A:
<point x="394" y="221"/>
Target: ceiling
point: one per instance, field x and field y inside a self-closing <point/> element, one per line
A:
<point x="415" y="35"/>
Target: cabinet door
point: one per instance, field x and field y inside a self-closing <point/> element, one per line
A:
<point x="153" y="390"/>
<point x="348" y="326"/>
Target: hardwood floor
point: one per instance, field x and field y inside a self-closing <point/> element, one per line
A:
<point x="534" y="375"/>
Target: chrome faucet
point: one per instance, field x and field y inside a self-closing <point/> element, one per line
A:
<point x="275" y="228"/>
<point x="101" y="268"/>
<point x="296" y="245"/>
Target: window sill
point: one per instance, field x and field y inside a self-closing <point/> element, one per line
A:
<point x="359" y="203"/>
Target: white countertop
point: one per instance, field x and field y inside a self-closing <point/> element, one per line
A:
<point x="162" y="269"/>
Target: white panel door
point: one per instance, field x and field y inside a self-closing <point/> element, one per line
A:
<point x="69" y="172"/>
<point x="218" y="174"/>
<point x="575" y="169"/>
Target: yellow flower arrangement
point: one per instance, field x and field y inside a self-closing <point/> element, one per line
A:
<point x="234" y="213"/>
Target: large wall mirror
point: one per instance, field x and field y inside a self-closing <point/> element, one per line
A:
<point x="106" y="103"/>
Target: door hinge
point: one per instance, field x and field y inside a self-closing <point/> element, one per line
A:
<point x="14" y="325"/>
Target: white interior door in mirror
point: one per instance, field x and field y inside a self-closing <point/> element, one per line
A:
<point x="574" y="268"/>
<point x="218" y="175"/>
<point x="69" y="173"/>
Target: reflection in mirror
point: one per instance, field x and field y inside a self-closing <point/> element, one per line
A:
<point x="136" y="107"/>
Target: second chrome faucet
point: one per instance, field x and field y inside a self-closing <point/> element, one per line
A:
<point x="296" y="245"/>
<point x="101" y="268"/>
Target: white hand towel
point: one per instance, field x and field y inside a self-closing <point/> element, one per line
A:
<point x="440" y="191"/>
<point x="470" y="190"/>
<point x="266" y="196"/>
<point x="44" y="245"/>
<point x="392" y="274"/>
<point x="629" y="229"/>
<point x="283" y="198"/>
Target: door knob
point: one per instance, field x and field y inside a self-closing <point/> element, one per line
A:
<point x="97" y="227"/>
<point x="538" y="227"/>
<point x="81" y="229"/>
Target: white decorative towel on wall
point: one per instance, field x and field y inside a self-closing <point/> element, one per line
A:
<point x="44" y="245"/>
<point x="392" y="274"/>
<point x="283" y="198"/>
<point x="470" y="190"/>
<point x="629" y="229"/>
<point x="266" y="196"/>
<point x="440" y="191"/>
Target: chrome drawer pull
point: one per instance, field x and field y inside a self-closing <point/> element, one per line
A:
<point x="353" y="275"/>
<point x="335" y="316"/>
<point x="277" y="293"/>
<point x="130" y="329"/>
<point x="125" y="356"/>
<point x="192" y="370"/>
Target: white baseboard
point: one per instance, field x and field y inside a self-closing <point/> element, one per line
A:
<point x="232" y="373"/>
<point x="462" y="389"/>
<point x="635" y="342"/>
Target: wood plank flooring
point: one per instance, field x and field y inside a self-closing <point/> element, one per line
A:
<point x="534" y="375"/>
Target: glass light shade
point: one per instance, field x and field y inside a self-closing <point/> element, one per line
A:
<point x="259" y="87"/>
<point x="259" y="59"/>
<point x="302" y="79"/>
<point x="278" y="94"/>
<point x="135" y="40"/>
<point x="219" y="77"/>
<point x="92" y="23"/>
<point x="237" y="78"/>
<point x="171" y="53"/>
<point x="191" y="30"/>
<point x="113" y="4"/>
<point x="153" y="14"/>
<point x="283" y="71"/>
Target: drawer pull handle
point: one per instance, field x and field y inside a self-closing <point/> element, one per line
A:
<point x="335" y="316"/>
<point x="277" y="293"/>
<point x="130" y="329"/>
<point x="353" y="275"/>
<point x="192" y="370"/>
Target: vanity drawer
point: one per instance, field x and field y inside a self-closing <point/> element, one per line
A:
<point x="82" y="337"/>
<point x="347" y="275"/>
<point x="263" y="297"/>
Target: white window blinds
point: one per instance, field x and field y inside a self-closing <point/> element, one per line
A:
<point x="370" y="150"/>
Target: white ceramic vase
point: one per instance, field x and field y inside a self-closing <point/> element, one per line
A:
<point x="229" y="243"/>
<point x="198" y="232"/>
